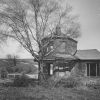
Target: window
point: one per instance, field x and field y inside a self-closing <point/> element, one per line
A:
<point x="51" y="47"/>
<point x="47" y="49"/>
<point x="93" y="69"/>
<point x="51" y="69"/>
<point x="62" y="46"/>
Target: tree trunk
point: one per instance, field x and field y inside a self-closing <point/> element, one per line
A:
<point x="41" y="76"/>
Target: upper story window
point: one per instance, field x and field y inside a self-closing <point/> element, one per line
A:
<point x="62" y="47"/>
<point x="47" y="49"/>
<point x="51" y="47"/>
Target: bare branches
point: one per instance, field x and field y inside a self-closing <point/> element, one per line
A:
<point x="44" y="16"/>
<point x="52" y="50"/>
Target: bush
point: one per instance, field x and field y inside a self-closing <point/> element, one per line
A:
<point x="21" y="81"/>
<point x="68" y="83"/>
<point x="50" y="82"/>
<point x="7" y="84"/>
<point x="3" y="73"/>
<point x="93" y="84"/>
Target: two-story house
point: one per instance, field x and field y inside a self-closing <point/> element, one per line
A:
<point x="63" y="58"/>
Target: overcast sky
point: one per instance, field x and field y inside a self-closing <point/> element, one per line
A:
<point x="89" y="17"/>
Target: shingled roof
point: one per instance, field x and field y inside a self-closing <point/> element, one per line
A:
<point x="90" y="54"/>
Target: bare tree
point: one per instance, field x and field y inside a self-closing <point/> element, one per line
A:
<point x="12" y="59"/>
<point x="3" y="72"/>
<point x="29" y="21"/>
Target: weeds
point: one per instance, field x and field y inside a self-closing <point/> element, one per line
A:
<point x="68" y="83"/>
<point x="64" y="90"/>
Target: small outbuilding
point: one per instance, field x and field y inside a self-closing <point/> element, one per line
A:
<point x="89" y="62"/>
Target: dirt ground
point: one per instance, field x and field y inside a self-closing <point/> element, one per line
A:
<point x="40" y="93"/>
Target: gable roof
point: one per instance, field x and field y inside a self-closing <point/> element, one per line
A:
<point x="90" y="54"/>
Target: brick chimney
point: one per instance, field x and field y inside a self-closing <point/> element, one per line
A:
<point x="58" y="30"/>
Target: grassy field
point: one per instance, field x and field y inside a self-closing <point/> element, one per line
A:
<point x="40" y="93"/>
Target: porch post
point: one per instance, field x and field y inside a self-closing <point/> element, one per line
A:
<point x="58" y="71"/>
<point x="96" y="70"/>
<point x="99" y="69"/>
<point x="51" y="69"/>
<point x="89" y="70"/>
<point x="86" y="70"/>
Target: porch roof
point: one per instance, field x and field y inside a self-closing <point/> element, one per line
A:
<point x="65" y="56"/>
<point x="60" y="56"/>
<point x="90" y="54"/>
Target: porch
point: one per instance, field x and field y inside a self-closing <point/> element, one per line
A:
<point x="58" y="67"/>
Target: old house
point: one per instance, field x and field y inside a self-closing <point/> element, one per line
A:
<point x="89" y="62"/>
<point x="63" y="58"/>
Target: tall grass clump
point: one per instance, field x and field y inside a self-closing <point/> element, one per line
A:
<point x="69" y="82"/>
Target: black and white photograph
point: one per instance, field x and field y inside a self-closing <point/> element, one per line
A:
<point x="49" y="49"/>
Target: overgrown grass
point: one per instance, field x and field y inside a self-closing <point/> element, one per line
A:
<point x="68" y="83"/>
<point x="61" y="89"/>
<point x="41" y="93"/>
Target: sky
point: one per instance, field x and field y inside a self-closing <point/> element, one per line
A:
<point x="89" y="18"/>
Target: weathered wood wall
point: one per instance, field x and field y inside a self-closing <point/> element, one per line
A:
<point x="80" y="68"/>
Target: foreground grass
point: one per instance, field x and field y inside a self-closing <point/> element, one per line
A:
<point x="40" y="93"/>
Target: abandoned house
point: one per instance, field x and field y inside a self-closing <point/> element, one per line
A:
<point x="64" y="59"/>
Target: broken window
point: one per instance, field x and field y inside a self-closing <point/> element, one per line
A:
<point x="62" y="47"/>
<point x="51" y="69"/>
<point x="93" y="69"/>
<point x="51" y="47"/>
<point x="47" y="49"/>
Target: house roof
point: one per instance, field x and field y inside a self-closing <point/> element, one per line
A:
<point x="90" y="54"/>
<point x="65" y="56"/>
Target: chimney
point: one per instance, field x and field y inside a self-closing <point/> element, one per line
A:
<point x="58" y="30"/>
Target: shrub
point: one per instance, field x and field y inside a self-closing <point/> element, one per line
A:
<point x="93" y="84"/>
<point x="24" y="81"/>
<point x="21" y="81"/>
<point x="3" y="73"/>
<point x="50" y="82"/>
<point x="7" y="84"/>
<point x="68" y="83"/>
